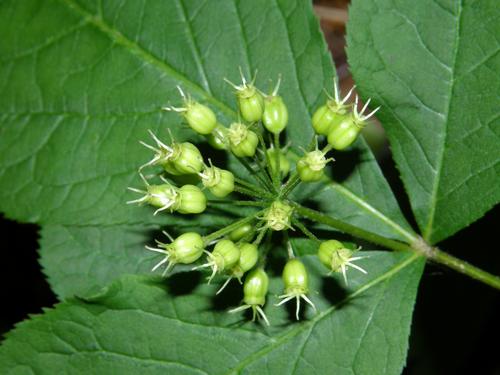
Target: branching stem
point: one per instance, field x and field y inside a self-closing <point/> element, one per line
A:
<point x="418" y="246"/>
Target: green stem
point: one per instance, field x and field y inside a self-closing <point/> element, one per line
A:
<point x="290" y="185"/>
<point x="253" y="172"/>
<point x="348" y="228"/>
<point x="228" y="229"/>
<point x="438" y="256"/>
<point x="277" y="172"/>
<point x="249" y="193"/>
<point x="304" y="230"/>
<point x="418" y="246"/>
<point x="260" y="236"/>
<point x="251" y="186"/>
<point x="268" y="161"/>
<point x="240" y="203"/>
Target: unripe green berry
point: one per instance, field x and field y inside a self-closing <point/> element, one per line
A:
<point x="249" y="254"/>
<point x="278" y="216"/>
<point x="186" y="249"/>
<point x="343" y="134"/>
<point x="311" y="166"/>
<point x="333" y="254"/>
<point x="240" y="232"/>
<point x="191" y="200"/>
<point x="275" y="116"/>
<point x="328" y="116"/>
<point x="273" y="155"/>
<point x="255" y="287"/>
<point x="217" y="139"/>
<point x="200" y="118"/>
<point x="162" y="195"/>
<point x="225" y="255"/>
<point x="186" y="158"/>
<point x="250" y="103"/>
<point x="295" y="278"/>
<point x="243" y="142"/>
<point x="219" y="181"/>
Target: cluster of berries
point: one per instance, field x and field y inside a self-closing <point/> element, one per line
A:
<point x="236" y="247"/>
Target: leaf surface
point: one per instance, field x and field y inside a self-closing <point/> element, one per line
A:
<point x="145" y="325"/>
<point x="433" y="67"/>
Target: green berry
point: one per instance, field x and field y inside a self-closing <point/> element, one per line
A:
<point x="295" y="277"/>
<point x="219" y="181"/>
<point x="217" y="139"/>
<point x="332" y="113"/>
<point x="198" y="116"/>
<point x="273" y="155"/>
<point x="191" y="200"/>
<point x="243" y="142"/>
<point x="327" y="116"/>
<point x="240" y="232"/>
<point x="336" y="257"/>
<point x="186" y="158"/>
<point x="185" y="249"/>
<point x="226" y="255"/>
<point x="251" y="104"/>
<point x="344" y="134"/>
<point x="249" y="254"/>
<point x="255" y="287"/>
<point x="163" y="196"/>
<point x="250" y="100"/>
<point x="311" y="166"/>
<point x="296" y="282"/>
<point x="275" y="116"/>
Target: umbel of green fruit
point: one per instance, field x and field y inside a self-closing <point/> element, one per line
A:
<point x="237" y="254"/>
<point x="185" y="249"/>
<point x="296" y="283"/>
<point x="198" y="116"/>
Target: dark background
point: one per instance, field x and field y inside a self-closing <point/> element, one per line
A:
<point x="456" y="321"/>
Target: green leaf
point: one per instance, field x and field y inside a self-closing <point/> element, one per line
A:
<point x="433" y="67"/>
<point x="143" y="325"/>
<point x="82" y="82"/>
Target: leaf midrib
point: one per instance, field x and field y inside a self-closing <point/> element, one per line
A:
<point x="312" y="323"/>
<point x="428" y="230"/>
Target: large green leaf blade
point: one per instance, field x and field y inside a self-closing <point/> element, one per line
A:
<point x="81" y="85"/>
<point x="144" y="325"/>
<point x="433" y="67"/>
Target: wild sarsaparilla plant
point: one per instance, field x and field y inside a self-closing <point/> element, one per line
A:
<point x="255" y="141"/>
